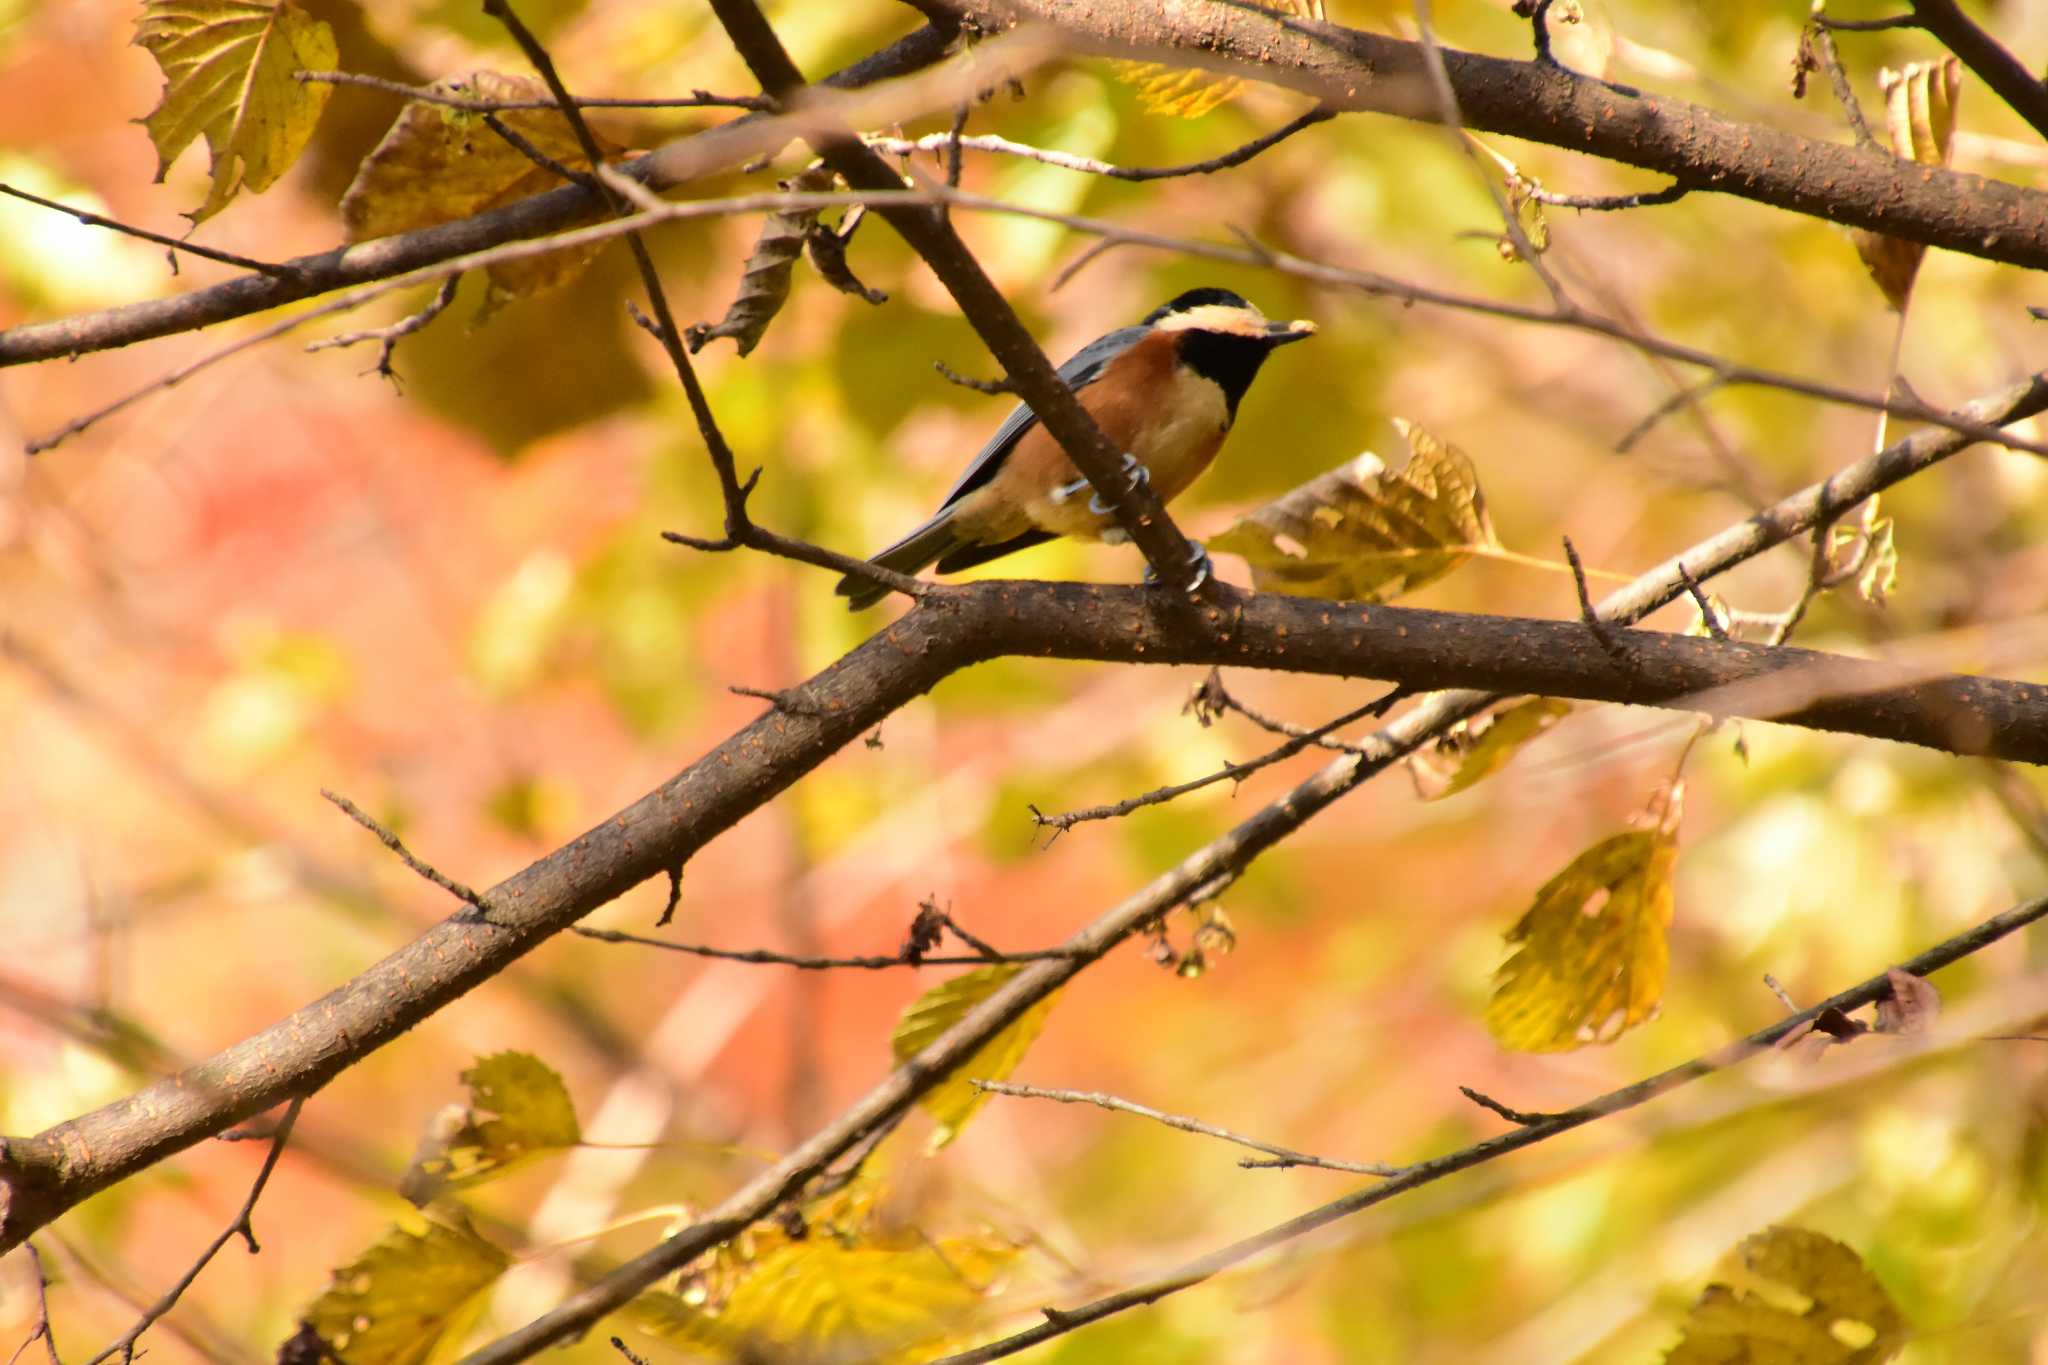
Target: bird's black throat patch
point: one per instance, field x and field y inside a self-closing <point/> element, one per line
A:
<point x="1230" y="362"/>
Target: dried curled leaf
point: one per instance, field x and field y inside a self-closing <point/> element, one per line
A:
<point x="1592" y="950"/>
<point x="462" y="1147"/>
<point x="952" y="1102"/>
<point x="765" y="278"/>
<point x="1790" y="1296"/>
<point x="1475" y="750"/>
<point x="1363" y="534"/>
<point x="1912" y="1007"/>
<point x="1920" y="118"/>
<point x="421" y="1285"/>
<point x="1186" y="92"/>
<point x="230" y="69"/>
<point x="438" y="164"/>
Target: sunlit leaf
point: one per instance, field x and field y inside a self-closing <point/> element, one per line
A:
<point x="1592" y="950"/>
<point x="1920" y="118"/>
<point x="1788" y="1296"/>
<point x="818" y="1299"/>
<point x="1363" y="534"/>
<point x="403" y="1297"/>
<point x="953" y="1101"/>
<point x="229" y="76"/>
<point x="438" y="164"/>
<point x="1186" y="92"/>
<point x="1475" y="750"/>
<point x="531" y="1114"/>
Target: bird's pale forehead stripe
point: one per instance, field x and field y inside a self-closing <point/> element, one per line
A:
<point x="1217" y="317"/>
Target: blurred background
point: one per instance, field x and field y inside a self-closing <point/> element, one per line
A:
<point x="447" y="598"/>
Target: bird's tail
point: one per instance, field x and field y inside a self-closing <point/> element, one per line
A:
<point x="928" y="542"/>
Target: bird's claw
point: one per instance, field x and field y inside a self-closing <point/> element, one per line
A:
<point x="1198" y="561"/>
<point x="1135" y="472"/>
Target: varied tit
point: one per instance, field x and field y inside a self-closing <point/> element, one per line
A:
<point x="1165" y="391"/>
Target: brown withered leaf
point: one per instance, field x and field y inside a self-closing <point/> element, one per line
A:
<point x="230" y="75"/>
<point x="1911" y="1008"/>
<point x="438" y="164"/>
<point x="1920" y="118"/>
<point x="1363" y="534"/>
<point x="765" y="278"/>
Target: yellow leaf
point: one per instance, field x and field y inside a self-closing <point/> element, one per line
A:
<point x="437" y="164"/>
<point x="819" y="1299"/>
<point x="1788" y="1296"/>
<point x="1363" y="534"/>
<point x="463" y="1148"/>
<point x="406" y="1295"/>
<point x="953" y="1101"/>
<point x="229" y="68"/>
<point x="1593" y="951"/>
<point x="1186" y="92"/>
<point x="1920" y="117"/>
<point x="1483" y="747"/>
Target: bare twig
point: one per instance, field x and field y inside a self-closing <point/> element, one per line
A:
<point x="241" y="1226"/>
<point x="41" y="1331"/>
<point x="988" y="386"/>
<point x="388" y="337"/>
<point x="174" y="243"/>
<point x="1088" y="165"/>
<point x="1229" y="772"/>
<point x="1543" y="1128"/>
<point x="1985" y="55"/>
<point x="405" y="855"/>
<point x="1521" y="1118"/>
<point x="762" y="956"/>
<point x="427" y="94"/>
<point x="1607" y="203"/>
<point x="1823" y="44"/>
<point x="1282" y="1156"/>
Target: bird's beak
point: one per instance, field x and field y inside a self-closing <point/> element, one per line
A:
<point x="1280" y="333"/>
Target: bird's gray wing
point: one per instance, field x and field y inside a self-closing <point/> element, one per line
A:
<point x="1087" y="363"/>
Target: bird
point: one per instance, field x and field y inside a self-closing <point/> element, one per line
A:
<point x="1165" y="392"/>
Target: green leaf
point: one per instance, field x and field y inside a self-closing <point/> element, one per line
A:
<point x="1593" y="950"/>
<point x="229" y="76"/>
<point x="953" y="1101"/>
<point x="1789" y="1296"/>
<point x="421" y="1285"/>
<point x="437" y="164"/>
<point x="462" y="1148"/>
<point x="1363" y="534"/>
<point x="1476" y="750"/>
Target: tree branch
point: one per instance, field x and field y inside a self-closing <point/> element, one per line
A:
<point x="1986" y="56"/>
<point x="43" y="1175"/>
<point x="1352" y="70"/>
<point x="1537" y="1128"/>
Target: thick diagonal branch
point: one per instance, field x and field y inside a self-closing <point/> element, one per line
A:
<point x="43" y="1175"/>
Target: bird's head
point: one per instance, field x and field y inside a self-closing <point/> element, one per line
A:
<point x="1221" y="313"/>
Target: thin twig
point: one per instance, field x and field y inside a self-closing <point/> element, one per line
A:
<point x="1521" y="1118"/>
<point x="1687" y="395"/>
<point x="1211" y="696"/>
<point x="389" y="337"/>
<point x="1282" y="1156"/>
<point x="42" y="1328"/>
<point x="427" y="94"/>
<point x="1845" y="92"/>
<point x="1088" y="165"/>
<point x="988" y="386"/>
<point x="762" y="957"/>
<point x="405" y="855"/>
<point x="1060" y="1321"/>
<point x="1608" y="203"/>
<point x="242" y="1227"/>
<point x="1867" y="25"/>
<point x="1229" y="772"/>
<point x="283" y="272"/>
